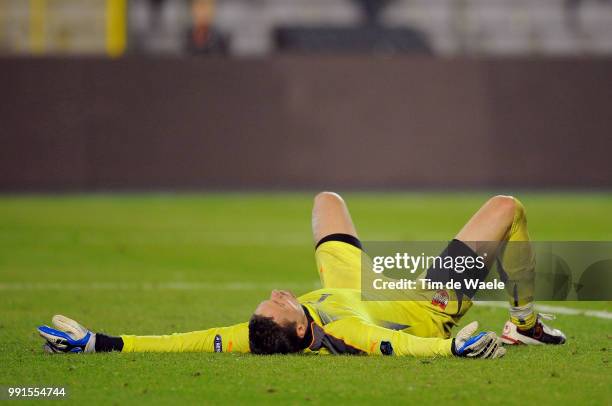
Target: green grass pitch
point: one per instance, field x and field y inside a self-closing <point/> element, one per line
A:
<point x="153" y="264"/>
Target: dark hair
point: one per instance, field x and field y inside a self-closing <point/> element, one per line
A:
<point x="268" y="337"/>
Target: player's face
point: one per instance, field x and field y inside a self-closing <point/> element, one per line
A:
<point x="283" y="307"/>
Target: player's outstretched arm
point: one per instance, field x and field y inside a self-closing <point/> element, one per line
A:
<point x="69" y="336"/>
<point x="375" y="340"/>
<point x="218" y="339"/>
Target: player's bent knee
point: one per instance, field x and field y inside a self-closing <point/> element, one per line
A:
<point x="504" y="206"/>
<point x="328" y="198"/>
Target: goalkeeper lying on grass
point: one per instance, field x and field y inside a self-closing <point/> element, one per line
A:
<point x="335" y="320"/>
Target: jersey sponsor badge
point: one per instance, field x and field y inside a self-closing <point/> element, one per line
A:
<point x="440" y="299"/>
<point x="386" y="348"/>
<point x="218" y="343"/>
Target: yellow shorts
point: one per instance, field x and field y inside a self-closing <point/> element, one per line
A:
<point x="339" y="265"/>
<point x="338" y="259"/>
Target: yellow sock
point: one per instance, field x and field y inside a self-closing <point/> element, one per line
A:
<point x="519" y="266"/>
<point x="523" y="316"/>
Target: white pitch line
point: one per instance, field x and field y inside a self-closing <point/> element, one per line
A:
<point x="600" y="314"/>
<point x="246" y="286"/>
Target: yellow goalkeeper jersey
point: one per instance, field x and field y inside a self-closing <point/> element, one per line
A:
<point x="344" y="324"/>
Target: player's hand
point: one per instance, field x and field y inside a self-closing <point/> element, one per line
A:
<point x="68" y="336"/>
<point x="482" y="345"/>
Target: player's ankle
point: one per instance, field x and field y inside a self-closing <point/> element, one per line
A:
<point x="523" y="317"/>
<point x="522" y="327"/>
<point x="525" y="329"/>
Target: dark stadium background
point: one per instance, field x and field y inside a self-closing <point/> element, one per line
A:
<point x="281" y="94"/>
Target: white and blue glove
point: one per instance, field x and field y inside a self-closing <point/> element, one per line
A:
<point x="68" y="336"/>
<point x="482" y="345"/>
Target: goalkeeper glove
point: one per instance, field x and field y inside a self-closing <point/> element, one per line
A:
<point x="68" y="336"/>
<point x="482" y="345"/>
